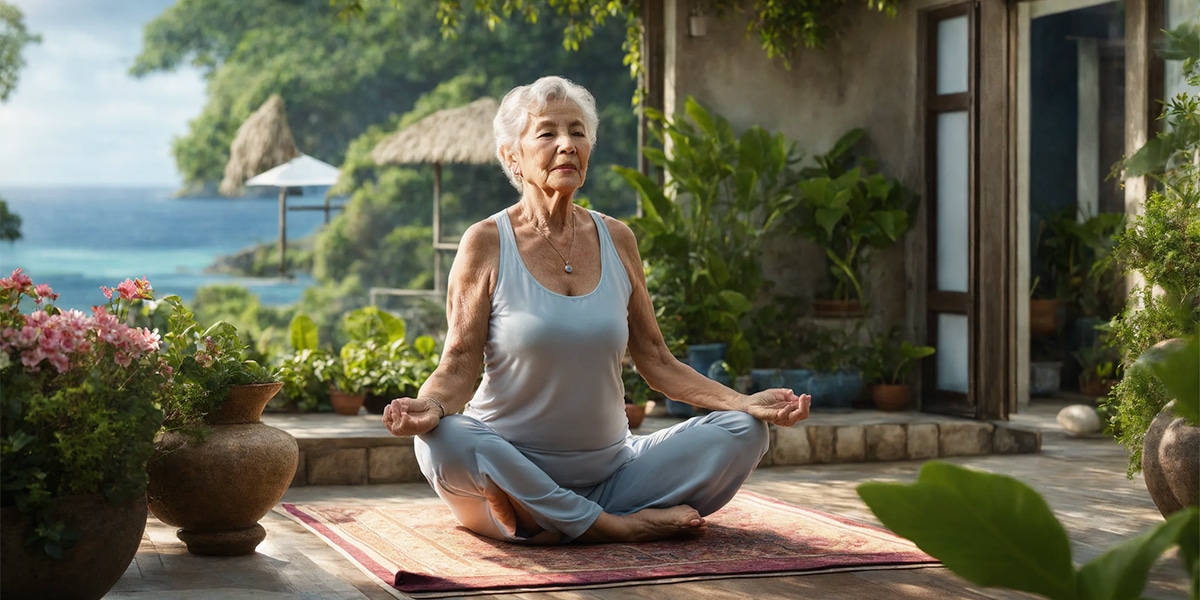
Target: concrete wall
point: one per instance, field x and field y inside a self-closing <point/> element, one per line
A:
<point x="867" y="78"/>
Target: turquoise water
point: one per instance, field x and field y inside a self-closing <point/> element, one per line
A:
<point x="77" y="239"/>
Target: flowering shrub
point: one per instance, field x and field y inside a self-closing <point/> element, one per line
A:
<point x="79" y="400"/>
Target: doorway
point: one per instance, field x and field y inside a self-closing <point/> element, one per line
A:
<point x="1070" y="134"/>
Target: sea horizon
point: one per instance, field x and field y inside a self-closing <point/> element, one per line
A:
<point x="78" y="238"/>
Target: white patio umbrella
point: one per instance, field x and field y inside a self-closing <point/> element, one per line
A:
<point x="300" y="171"/>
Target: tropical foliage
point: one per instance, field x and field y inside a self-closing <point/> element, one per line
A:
<point x="701" y="233"/>
<point x="14" y="37"/>
<point x="1162" y="245"/>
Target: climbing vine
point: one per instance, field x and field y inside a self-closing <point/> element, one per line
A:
<point x="783" y="26"/>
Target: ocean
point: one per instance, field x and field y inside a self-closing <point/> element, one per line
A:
<point x="78" y="239"/>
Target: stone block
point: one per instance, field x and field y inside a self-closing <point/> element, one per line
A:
<point x="791" y="446"/>
<point x="965" y="439"/>
<point x="393" y="464"/>
<point x="922" y="442"/>
<point x="1009" y="439"/>
<point x="886" y="442"/>
<point x="820" y="443"/>
<point x="337" y="466"/>
<point x="850" y="444"/>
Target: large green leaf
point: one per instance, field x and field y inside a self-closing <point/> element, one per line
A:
<point x="990" y="529"/>
<point x="1120" y="573"/>
<point x="302" y="332"/>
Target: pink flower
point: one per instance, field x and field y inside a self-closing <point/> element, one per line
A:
<point x="128" y="290"/>
<point x="107" y="291"/>
<point x="43" y="291"/>
<point x="17" y="281"/>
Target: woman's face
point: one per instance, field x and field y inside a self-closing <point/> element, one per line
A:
<point x="553" y="150"/>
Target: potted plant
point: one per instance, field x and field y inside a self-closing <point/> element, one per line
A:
<point x="216" y="468"/>
<point x="847" y="209"/>
<point x="307" y="370"/>
<point x="1100" y="367"/>
<point x="638" y="394"/>
<point x="700" y="233"/>
<point x="835" y="361"/>
<point x="886" y="367"/>
<point x="388" y="365"/>
<point x="79" y="409"/>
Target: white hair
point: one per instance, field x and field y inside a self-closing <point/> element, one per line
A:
<point x="523" y="100"/>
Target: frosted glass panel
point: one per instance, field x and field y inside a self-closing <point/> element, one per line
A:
<point x="952" y="194"/>
<point x="952" y="55"/>
<point x="952" y="352"/>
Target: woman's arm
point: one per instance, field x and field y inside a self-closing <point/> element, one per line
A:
<point x="469" y="291"/>
<point x="671" y="377"/>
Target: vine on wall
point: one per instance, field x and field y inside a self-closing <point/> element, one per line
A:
<point x="783" y="26"/>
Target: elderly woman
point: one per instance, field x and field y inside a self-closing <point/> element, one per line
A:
<point x="547" y="297"/>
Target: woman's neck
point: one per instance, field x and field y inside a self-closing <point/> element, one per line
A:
<point x="547" y="213"/>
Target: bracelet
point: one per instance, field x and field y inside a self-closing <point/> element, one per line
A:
<point x="438" y="404"/>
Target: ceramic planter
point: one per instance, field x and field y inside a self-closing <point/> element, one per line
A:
<point x="346" y="403"/>
<point x="216" y="489"/>
<point x="1171" y="461"/>
<point x="890" y="397"/>
<point x="109" y="536"/>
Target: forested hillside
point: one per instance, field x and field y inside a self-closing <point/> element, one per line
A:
<point x="347" y="82"/>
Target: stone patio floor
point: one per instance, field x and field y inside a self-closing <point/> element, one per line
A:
<point x="1082" y="478"/>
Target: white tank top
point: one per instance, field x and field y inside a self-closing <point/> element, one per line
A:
<point x="552" y="366"/>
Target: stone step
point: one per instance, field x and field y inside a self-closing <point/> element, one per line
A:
<point x="357" y="450"/>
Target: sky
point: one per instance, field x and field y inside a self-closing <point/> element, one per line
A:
<point x="77" y="118"/>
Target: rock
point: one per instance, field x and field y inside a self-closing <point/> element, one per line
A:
<point x="1171" y="461"/>
<point x="1079" y="419"/>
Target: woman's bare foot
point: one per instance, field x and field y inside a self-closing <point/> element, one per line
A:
<point x="646" y="525"/>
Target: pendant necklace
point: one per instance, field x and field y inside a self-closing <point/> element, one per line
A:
<point x="566" y="259"/>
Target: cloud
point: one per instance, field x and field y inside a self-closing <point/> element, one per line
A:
<point x="77" y="117"/>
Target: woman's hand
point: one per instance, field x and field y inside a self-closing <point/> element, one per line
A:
<point x="779" y="406"/>
<point x="411" y="416"/>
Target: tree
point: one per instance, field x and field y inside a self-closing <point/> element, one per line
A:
<point x="340" y="76"/>
<point x="13" y="39"/>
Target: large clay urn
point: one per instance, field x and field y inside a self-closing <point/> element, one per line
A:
<point x="1171" y="461"/>
<point x="109" y="536"/>
<point x="216" y="489"/>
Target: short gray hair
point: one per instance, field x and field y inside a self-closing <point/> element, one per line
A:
<point x="522" y="100"/>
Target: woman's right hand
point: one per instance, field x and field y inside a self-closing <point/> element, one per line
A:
<point x="411" y="416"/>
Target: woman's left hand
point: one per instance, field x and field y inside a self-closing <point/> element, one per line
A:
<point x="779" y="406"/>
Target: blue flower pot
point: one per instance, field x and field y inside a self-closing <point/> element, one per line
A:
<point x="700" y="357"/>
<point x="834" y="391"/>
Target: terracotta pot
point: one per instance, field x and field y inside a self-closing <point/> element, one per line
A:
<point x="216" y="489"/>
<point x="1171" y="461"/>
<point x="1043" y="317"/>
<point x="836" y="309"/>
<point x="346" y="403"/>
<point x="890" y="397"/>
<point x="636" y="413"/>
<point x="1096" y="387"/>
<point x="109" y="536"/>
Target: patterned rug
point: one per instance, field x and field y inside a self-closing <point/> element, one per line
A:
<point x="418" y="550"/>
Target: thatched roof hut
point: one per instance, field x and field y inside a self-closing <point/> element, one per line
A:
<point x="453" y="135"/>
<point x="264" y="141"/>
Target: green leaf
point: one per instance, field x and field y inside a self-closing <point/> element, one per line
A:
<point x="989" y="529"/>
<point x="393" y="327"/>
<point x="425" y="345"/>
<point x="1121" y="572"/>
<point x="735" y="302"/>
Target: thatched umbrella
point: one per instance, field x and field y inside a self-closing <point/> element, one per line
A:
<point x="264" y="141"/>
<point x="455" y="135"/>
<point x="303" y="170"/>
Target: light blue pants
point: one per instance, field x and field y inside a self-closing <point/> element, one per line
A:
<point x="700" y="462"/>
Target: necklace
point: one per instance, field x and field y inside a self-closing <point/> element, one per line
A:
<point x="566" y="259"/>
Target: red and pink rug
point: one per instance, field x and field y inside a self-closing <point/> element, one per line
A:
<point x="418" y="550"/>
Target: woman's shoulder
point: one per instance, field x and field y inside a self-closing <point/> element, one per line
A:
<point x="480" y="241"/>
<point x="620" y="232"/>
